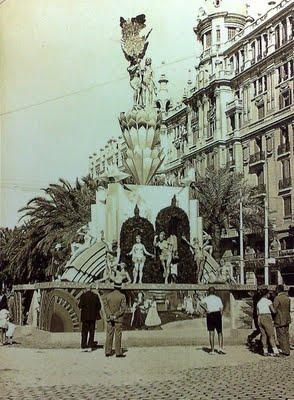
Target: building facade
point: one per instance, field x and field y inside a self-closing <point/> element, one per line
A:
<point x="238" y="110"/>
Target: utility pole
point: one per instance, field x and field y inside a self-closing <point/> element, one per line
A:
<point x="266" y="244"/>
<point x="242" y="275"/>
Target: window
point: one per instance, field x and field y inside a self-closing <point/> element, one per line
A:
<point x="231" y="33"/>
<point x="265" y="83"/>
<point x="260" y="86"/>
<point x="277" y="37"/>
<point x="260" y="110"/>
<point x="285" y="71"/>
<point x="259" y="48"/>
<point x="255" y="88"/>
<point x="208" y="39"/>
<point x="253" y="52"/>
<point x="218" y="35"/>
<point x="285" y="99"/>
<point x="287" y="206"/>
<point x="284" y="32"/>
<point x="265" y="41"/>
<point x="232" y="121"/>
<point x="291" y="68"/>
<point x="286" y="168"/>
<point x="260" y="177"/>
<point x="284" y="135"/>
<point x="232" y="63"/>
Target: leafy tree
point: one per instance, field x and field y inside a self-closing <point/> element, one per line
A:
<point x="50" y="219"/>
<point x="219" y="193"/>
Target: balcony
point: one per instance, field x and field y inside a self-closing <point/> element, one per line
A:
<point x="260" y="190"/>
<point x="257" y="158"/>
<point x="253" y="62"/>
<point x="283" y="148"/>
<point x="234" y="105"/>
<point x="285" y="183"/>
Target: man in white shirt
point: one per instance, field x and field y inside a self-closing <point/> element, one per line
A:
<point x="265" y="310"/>
<point x="214" y="309"/>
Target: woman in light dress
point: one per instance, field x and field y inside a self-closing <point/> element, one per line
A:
<point x="188" y="305"/>
<point x="152" y="319"/>
<point x="7" y="328"/>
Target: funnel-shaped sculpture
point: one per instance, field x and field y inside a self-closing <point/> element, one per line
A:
<point x="141" y="130"/>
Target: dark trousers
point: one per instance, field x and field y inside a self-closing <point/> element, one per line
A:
<point x="113" y="329"/>
<point x="283" y="338"/>
<point x="88" y="332"/>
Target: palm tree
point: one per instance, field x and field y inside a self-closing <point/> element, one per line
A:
<point x="50" y="219"/>
<point x="219" y="193"/>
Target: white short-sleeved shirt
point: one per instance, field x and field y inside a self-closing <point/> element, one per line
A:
<point x="213" y="303"/>
<point x="263" y="306"/>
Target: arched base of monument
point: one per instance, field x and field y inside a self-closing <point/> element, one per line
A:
<point x="178" y="307"/>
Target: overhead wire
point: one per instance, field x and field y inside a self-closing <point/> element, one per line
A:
<point x="86" y="89"/>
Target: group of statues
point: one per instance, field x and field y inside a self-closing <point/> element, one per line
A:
<point x="134" y="48"/>
<point x="166" y="251"/>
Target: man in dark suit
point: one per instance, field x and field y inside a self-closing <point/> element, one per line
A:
<point x="114" y="303"/>
<point x="90" y="311"/>
<point x="282" y="319"/>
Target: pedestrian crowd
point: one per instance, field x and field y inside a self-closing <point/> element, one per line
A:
<point x="272" y="318"/>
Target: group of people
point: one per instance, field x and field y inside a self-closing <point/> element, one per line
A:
<point x="144" y="313"/>
<point x="7" y="326"/>
<point x="114" y="306"/>
<point x="272" y="318"/>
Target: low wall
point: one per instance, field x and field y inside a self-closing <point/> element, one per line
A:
<point x="58" y="306"/>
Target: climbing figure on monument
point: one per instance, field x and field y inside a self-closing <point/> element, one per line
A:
<point x="199" y="257"/>
<point x="77" y="247"/>
<point x="138" y="254"/>
<point x="112" y="259"/>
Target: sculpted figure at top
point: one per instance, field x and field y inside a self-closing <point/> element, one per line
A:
<point x="134" y="47"/>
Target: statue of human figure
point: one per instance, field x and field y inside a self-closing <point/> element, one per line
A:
<point x="112" y="260"/>
<point x="138" y="254"/>
<point x="76" y="247"/>
<point x="207" y="246"/>
<point x="165" y="250"/>
<point x="136" y="84"/>
<point x="148" y="85"/>
<point x="199" y="257"/>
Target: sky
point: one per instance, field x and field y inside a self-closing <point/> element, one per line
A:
<point x="63" y="82"/>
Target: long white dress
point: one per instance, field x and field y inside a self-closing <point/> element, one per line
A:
<point x="153" y="318"/>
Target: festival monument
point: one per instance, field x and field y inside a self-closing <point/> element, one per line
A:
<point x="165" y="217"/>
<point x="148" y="236"/>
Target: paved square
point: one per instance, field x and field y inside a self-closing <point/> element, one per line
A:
<point x="146" y="373"/>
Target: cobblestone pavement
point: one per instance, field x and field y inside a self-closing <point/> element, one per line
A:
<point x="260" y="379"/>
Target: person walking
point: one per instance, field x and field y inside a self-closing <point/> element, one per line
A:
<point x="90" y="312"/>
<point x="282" y="319"/>
<point x="213" y="306"/>
<point x="256" y="332"/>
<point x="114" y="304"/>
<point x="264" y="310"/>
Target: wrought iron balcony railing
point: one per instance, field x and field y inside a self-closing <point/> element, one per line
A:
<point x="283" y="148"/>
<point x="257" y="157"/>
<point x="285" y="183"/>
